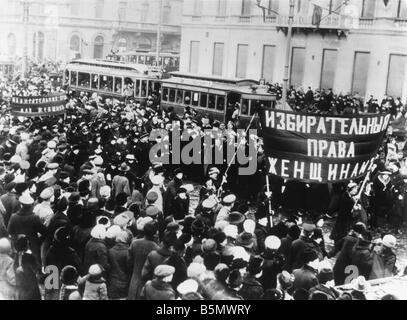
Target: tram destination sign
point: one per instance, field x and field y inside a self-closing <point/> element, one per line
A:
<point x="321" y="148"/>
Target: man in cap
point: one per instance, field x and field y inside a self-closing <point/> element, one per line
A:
<point x="43" y="209"/>
<point x="159" y="288"/>
<point x="382" y="200"/>
<point x="172" y="189"/>
<point x="304" y="242"/>
<point x="97" y="180"/>
<point x="27" y="223"/>
<point x="228" y="203"/>
<point x="9" y="199"/>
<point x="22" y="147"/>
<point x="51" y="171"/>
<point x="387" y="257"/>
<point x="120" y="182"/>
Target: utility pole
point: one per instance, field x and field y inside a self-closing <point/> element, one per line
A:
<point x="288" y="54"/>
<point x="159" y="32"/>
<point x="26" y="7"/>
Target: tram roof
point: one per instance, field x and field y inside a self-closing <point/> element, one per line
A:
<point x="243" y="86"/>
<point x="140" y="68"/>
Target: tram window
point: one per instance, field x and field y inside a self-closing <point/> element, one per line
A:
<point x="179" y="96"/>
<point x="187" y="98"/>
<point x="148" y="60"/>
<point x="138" y="88"/>
<point x="84" y="79"/>
<point x="266" y="103"/>
<point x="211" y="101"/>
<point x="172" y="95"/>
<point x="73" y="78"/>
<point x="118" y="85"/>
<point x="220" y="103"/>
<point x="244" y="110"/>
<point x="144" y="88"/>
<point x="204" y="100"/>
<point x="106" y="83"/>
<point x="150" y="87"/>
<point x="195" y="99"/>
<point x="254" y="106"/>
<point x="156" y="87"/>
<point x="165" y="94"/>
<point x="141" y="59"/>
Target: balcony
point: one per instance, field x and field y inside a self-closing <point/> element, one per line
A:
<point x="244" y="19"/>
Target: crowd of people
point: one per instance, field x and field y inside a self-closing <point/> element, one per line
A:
<point x="79" y="193"/>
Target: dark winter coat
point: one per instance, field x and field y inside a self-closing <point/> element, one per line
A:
<point x="155" y="258"/>
<point x="305" y="278"/>
<point x="138" y="252"/>
<point x="157" y="290"/>
<point x="118" y="278"/>
<point x="273" y="264"/>
<point x="295" y="257"/>
<point x="362" y="258"/>
<point x="252" y="289"/>
<point x="96" y="253"/>
<point x="344" y="257"/>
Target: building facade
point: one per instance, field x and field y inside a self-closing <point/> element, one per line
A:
<point x="356" y="46"/>
<point x="65" y="29"/>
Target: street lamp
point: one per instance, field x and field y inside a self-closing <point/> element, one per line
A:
<point x="26" y="8"/>
<point x="288" y="54"/>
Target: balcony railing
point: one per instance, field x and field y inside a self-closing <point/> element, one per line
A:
<point x="244" y="19"/>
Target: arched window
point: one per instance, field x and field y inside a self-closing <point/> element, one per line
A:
<point x="122" y="44"/>
<point x="11" y="44"/>
<point x="98" y="47"/>
<point x="75" y="46"/>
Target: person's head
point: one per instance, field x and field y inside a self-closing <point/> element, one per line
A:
<point x="95" y="272"/>
<point x="164" y="272"/>
<point x="69" y="275"/>
<point x="5" y="246"/>
<point x="235" y="280"/>
<point x="211" y="260"/>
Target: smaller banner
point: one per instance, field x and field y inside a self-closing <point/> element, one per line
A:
<point x="321" y="148"/>
<point x="36" y="106"/>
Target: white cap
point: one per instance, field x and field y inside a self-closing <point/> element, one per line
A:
<point x="389" y="241"/>
<point x="105" y="191"/>
<point x="230" y="231"/>
<point x="195" y="270"/>
<point x="157" y="180"/>
<point x="98" y="232"/>
<point x="249" y="226"/>
<point x="113" y="231"/>
<point x="272" y="242"/>
<point x="187" y="286"/>
<point x="240" y="253"/>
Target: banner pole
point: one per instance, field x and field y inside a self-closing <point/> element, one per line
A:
<point x="234" y="156"/>
<point x="269" y="219"/>
<point x="367" y="177"/>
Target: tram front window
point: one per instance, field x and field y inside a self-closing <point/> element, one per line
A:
<point x="187" y="98"/>
<point x="179" y="96"/>
<point x="95" y="82"/>
<point x="211" y="101"/>
<point x="138" y="82"/>
<point x="165" y="94"/>
<point x="244" y="110"/>
<point x="144" y="88"/>
<point x="118" y="85"/>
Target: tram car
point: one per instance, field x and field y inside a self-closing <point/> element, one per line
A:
<point x="218" y="97"/>
<point x="111" y="79"/>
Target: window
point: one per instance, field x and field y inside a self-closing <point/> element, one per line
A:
<point x="144" y="11"/>
<point x="122" y="44"/>
<point x="267" y="68"/>
<point x="179" y="96"/>
<point x="242" y="51"/>
<point x="396" y="76"/>
<point x="144" y="88"/>
<point x="329" y="59"/>
<point x="220" y="103"/>
<point x="167" y="13"/>
<point x="98" y="47"/>
<point x="195" y="99"/>
<point x="172" y="95"/>
<point x="368" y="8"/>
<point x="38" y="45"/>
<point x="73" y="78"/>
<point x="246" y="6"/>
<point x="100" y="4"/>
<point x="122" y="10"/>
<point x="187" y="97"/>
<point x="137" y="91"/>
<point x="204" y="100"/>
<point x="106" y="83"/>
<point x="197" y="7"/>
<point x="95" y="81"/>
<point x="360" y="72"/>
<point x="118" y="85"/>
<point x="11" y="44"/>
<point x="272" y="7"/>
<point x="165" y="94"/>
<point x="84" y="80"/>
<point x="194" y="57"/>
<point x="75" y="43"/>
<point x="74" y="7"/>
<point x="217" y="59"/>
<point x="211" y="101"/>
<point x="402" y="9"/>
<point x="244" y="109"/>
<point x="221" y="8"/>
<point x="297" y="66"/>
